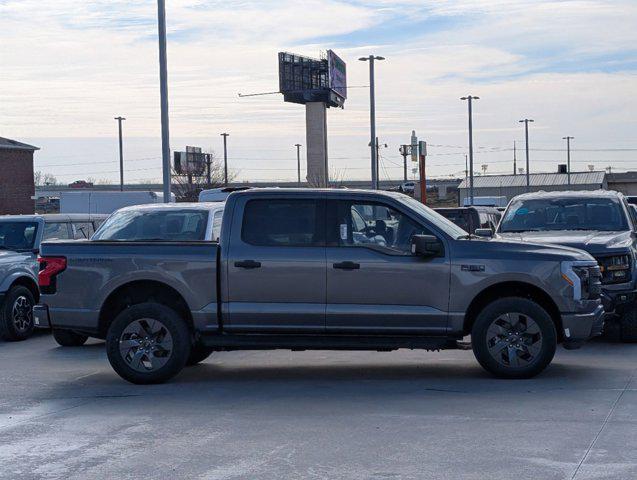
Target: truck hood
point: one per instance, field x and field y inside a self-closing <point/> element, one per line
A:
<point x="590" y="241"/>
<point x="515" y="249"/>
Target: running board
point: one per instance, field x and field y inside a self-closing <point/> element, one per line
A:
<point x="324" y="342"/>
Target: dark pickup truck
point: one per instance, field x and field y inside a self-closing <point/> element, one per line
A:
<point x="321" y="269"/>
<point x="601" y="223"/>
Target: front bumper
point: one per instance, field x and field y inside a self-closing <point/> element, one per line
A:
<point x="579" y="327"/>
<point x="615" y="301"/>
<point x="41" y="316"/>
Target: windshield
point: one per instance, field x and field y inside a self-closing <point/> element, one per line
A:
<point x="146" y="225"/>
<point x="17" y="236"/>
<point x="578" y="213"/>
<point x="441" y="222"/>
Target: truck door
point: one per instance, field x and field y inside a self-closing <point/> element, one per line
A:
<point x="276" y="265"/>
<point x="374" y="283"/>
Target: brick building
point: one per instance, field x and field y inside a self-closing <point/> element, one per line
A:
<point x="16" y="177"/>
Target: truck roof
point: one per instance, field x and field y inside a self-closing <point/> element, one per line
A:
<point x="569" y="194"/>
<point x="55" y="217"/>
<point x="331" y="191"/>
<point x="208" y="206"/>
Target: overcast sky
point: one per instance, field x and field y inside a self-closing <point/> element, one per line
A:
<point x="67" y="67"/>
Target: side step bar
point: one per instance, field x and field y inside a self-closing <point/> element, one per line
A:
<point x="324" y="342"/>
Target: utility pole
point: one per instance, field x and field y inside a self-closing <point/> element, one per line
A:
<point x="526" y="122"/>
<point x="121" y="154"/>
<point x="404" y="151"/>
<point x="225" y="158"/>
<point x="515" y="160"/>
<point x="568" y="158"/>
<point x="470" y="98"/>
<point x="298" y="161"/>
<point x="372" y="117"/>
<point x="466" y="169"/>
<point x="163" y="88"/>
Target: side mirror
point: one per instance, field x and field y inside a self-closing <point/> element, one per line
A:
<point x="426" y="245"/>
<point x="484" y="232"/>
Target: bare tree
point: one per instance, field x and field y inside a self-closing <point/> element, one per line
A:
<point x="187" y="187"/>
<point x="40" y="178"/>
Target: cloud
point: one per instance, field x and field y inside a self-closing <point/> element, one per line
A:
<point x="69" y="67"/>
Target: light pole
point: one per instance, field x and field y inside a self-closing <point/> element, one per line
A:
<point x="163" y="88"/>
<point x="121" y="154"/>
<point x="372" y="116"/>
<point x="568" y="158"/>
<point x="225" y="158"/>
<point x="470" y="99"/>
<point x="298" y="161"/>
<point x="526" y="122"/>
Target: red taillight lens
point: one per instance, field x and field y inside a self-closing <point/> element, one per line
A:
<point x="49" y="268"/>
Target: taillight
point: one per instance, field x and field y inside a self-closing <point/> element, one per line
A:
<point x="49" y="268"/>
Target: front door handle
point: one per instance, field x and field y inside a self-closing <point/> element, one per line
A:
<point x="247" y="264"/>
<point x="347" y="266"/>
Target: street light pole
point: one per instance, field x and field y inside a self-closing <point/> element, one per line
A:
<point x="372" y="116"/>
<point x="568" y="158"/>
<point x="121" y="154"/>
<point x="225" y="158"/>
<point x="298" y="161"/>
<point x="470" y="99"/>
<point x="163" y="88"/>
<point x="526" y="122"/>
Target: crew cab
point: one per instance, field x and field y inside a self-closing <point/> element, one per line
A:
<point x="321" y="269"/>
<point x="599" y="222"/>
<point x="20" y="237"/>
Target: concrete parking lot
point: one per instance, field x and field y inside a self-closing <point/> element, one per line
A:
<point x="335" y="415"/>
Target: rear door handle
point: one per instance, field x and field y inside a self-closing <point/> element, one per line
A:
<point x="347" y="266"/>
<point x="247" y="264"/>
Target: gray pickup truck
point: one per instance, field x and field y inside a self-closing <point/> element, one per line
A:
<point x="322" y="269"/>
<point x="20" y="237"/>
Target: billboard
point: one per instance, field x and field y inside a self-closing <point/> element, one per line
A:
<point x="306" y="79"/>
<point x="337" y="74"/>
<point x="191" y="162"/>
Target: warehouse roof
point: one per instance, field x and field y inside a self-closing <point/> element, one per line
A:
<point x="535" y="179"/>
<point x="8" y="144"/>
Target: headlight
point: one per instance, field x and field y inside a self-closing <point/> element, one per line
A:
<point x="615" y="268"/>
<point x="583" y="276"/>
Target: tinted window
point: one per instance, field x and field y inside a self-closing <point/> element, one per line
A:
<point x="56" y="231"/>
<point x="576" y="213"/>
<point x="459" y="217"/>
<point x="17" y="235"/>
<point x="161" y="225"/>
<point x="82" y="230"/>
<point x="294" y="222"/>
<point x="372" y="225"/>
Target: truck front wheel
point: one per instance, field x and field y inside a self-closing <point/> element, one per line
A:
<point x="148" y="343"/>
<point x="16" y="314"/>
<point x="514" y="338"/>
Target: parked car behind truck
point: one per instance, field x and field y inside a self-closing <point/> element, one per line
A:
<point x="601" y="223"/>
<point x="322" y="269"/>
<point x="20" y="237"/>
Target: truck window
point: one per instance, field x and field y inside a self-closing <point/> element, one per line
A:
<point x="56" y="231"/>
<point x="17" y="235"/>
<point x="216" y="224"/>
<point x="154" y="225"/>
<point x="82" y="230"/>
<point x="373" y="225"/>
<point x="289" y="223"/>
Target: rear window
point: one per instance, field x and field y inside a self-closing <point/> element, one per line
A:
<point x="147" y="225"/>
<point x="17" y="235"/>
<point x="287" y="223"/>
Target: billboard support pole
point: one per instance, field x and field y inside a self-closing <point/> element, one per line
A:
<point x="422" y="153"/>
<point x="163" y="87"/>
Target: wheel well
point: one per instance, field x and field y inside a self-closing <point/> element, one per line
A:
<point x="141" y="292"/>
<point x="513" y="289"/>
<point x="30" y="284"/>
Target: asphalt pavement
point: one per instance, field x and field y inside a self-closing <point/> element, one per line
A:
<point x="64" y="414"/>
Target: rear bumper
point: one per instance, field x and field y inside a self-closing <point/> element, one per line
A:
<point x="579" y="327"/>
<point x="41" y="316"/>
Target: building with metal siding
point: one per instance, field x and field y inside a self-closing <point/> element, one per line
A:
<point x="511" y="185"/>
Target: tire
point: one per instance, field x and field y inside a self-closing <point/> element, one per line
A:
<point x="148" y="343"/>
<point x="16" y="314"/>
<point x="628" y="326"/>
<point x="198" y="353"/>
<point x="514" y="338"/>
<point x="68" y="338"/>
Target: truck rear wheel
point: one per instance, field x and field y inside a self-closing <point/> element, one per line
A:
<point x="148" y="343"/>
<point x="514" y="338"/>
<point x="68" y="338"/>
<point x="16" y="314"/>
